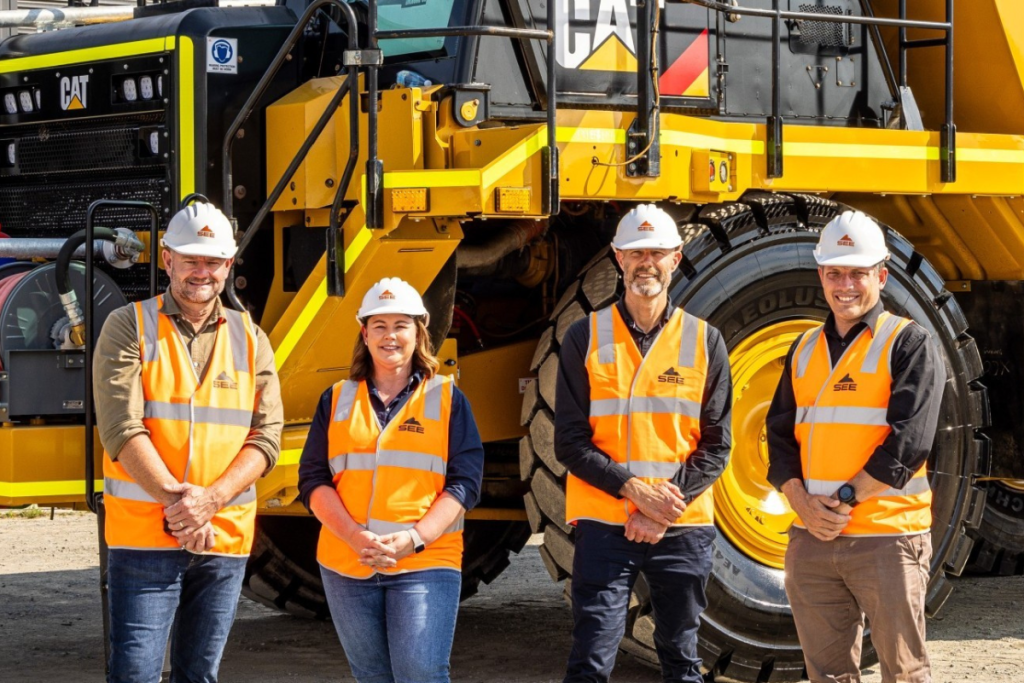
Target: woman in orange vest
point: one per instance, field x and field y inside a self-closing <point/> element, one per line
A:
<point x="392" y="462"/>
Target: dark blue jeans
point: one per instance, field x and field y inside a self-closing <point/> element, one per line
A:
<point x="396" y="628"/>
<point x="156" y="594"/>
<point x="605" y="567"/>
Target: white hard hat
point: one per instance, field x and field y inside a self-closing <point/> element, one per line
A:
<point x="200" y="229"/>
<point x="647" y="227"/>
<point x="392" y="295"/>
<point x="851" y="239"/>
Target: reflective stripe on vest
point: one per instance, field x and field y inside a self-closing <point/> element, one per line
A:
<point x="644" y="411"/>
<point x="129" y="490"/>
<point x="196" y="427"/>
<point x="841" y="419"/>
<point x="388" y="479"/>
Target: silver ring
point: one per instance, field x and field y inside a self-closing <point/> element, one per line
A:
<point x="181" y="525"/>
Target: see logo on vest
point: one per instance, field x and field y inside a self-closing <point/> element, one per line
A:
<point x="670" y="376"/>
<point x="224" y="382"/>
<point x="411" y="425"/>
<point x="845" y="384"/>
<point x="645" y="227"/>
<point x="845" y="241"/>
<point x="206" y="232"/>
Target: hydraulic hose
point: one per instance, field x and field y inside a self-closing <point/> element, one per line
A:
<point x="62" y="273"/>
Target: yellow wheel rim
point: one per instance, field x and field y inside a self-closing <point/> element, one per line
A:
<point x="748" y="510"/>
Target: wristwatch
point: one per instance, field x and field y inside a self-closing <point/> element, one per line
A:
<point x="847" y="495"/>
<point x="417" y="542"/>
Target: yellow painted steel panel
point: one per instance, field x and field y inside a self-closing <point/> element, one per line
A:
<point x="491" y="381"/>
<point x="90" y="54"/>
<point x="44" y="464"/>
<point x="186" y="118"/>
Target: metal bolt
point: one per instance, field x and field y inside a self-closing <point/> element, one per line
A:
<point x="240" y="134"/>
<point x="288" y="57"/>
<point x="292" y="186"/>
<point x="632" y="168"/>
<point x="450" y="362"/>
<point x="239" y="191"/>
<point x="329" y="182"/>
<point x="240" y="282"/>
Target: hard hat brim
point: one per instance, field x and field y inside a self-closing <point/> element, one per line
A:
<point x="647" y="243"/>
<point x="200" y="250"/>
<point x="362" y="317"/>
<point x="852" y="260"/>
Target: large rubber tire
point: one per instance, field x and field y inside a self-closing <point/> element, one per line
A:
<point x="283" y="573"/>
<point x="748" y="265"/>
<point x="999" y="540"/>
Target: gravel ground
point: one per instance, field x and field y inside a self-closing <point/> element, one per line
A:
<point x="514" y="630"/>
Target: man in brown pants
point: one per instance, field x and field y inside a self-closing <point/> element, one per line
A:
<point x="849" y="432"/>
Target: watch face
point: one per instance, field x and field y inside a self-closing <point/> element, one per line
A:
<point x="846" y="493"/>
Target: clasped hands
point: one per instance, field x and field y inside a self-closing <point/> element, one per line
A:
<point x="381" y="551"/>
<point x="188" y="519"/>
<point x="658" y="506"/>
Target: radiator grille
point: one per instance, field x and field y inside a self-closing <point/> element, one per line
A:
<point x="53" y="149"/>
<point x="822" y="33"/>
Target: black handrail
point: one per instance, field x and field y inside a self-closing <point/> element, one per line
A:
<point x="375" y="167"/>
<point x="947" y="143"/>
<point x="350" y="85"/>
<point x="91" y="498"/>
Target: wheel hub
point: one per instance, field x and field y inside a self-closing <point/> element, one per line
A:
<point x="748" y="510"/>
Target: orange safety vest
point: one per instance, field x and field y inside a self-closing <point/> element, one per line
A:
<point x="841" y="420"/>
<point x="388" y="479"/>
<point x="644" y="411"/>
<point x="196" y="427"/>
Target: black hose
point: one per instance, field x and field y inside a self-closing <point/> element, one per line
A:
<point x="62" y="272"/>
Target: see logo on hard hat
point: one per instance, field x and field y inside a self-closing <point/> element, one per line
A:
<point x="206" y="232"/>
<point x="645" y="227"/>
<point x="845" y="241"/>
<point x="386" y="294"/>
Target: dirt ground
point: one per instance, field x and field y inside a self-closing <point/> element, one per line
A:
<point x="515" y="630"/>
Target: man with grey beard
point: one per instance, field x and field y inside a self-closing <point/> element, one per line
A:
<point x="642" y="423"/>
<point x="189" y="412"/>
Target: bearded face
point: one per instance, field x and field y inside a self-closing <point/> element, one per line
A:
<point x="647" y="279"/>
<point x="648" y="272"/>
<point x="196" y="279"/>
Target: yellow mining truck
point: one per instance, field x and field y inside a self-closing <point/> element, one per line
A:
<point x="484" y="150"/>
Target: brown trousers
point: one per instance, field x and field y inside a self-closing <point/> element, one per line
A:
<point x="833" y="585"/>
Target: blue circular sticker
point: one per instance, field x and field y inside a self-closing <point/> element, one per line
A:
<point x="222" y="51"/>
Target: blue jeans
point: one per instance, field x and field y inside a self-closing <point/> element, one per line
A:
<point x="396" y="628"/>
<point x="604" y="569"/>
<point x="156" y="594"/>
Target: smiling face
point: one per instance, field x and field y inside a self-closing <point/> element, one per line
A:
<point x="195" y="279"/>
<point x="647" y="272"/>
<point x="852" y="292"/>
<point x="391" y="339"/>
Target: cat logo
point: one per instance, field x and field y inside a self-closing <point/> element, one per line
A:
<point x="386" y="294"/>
<point x="224" y="382"/>
<point x="596" y="35"/>
<point x="845" y="241"/>
<point x="74" y="92"/>
<point x="411" y="425"/>
<point x="670" y="376"/>
<point x="206" y="232"/>
<point x="845" y="384"/>
<point x="645" y="227"/>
